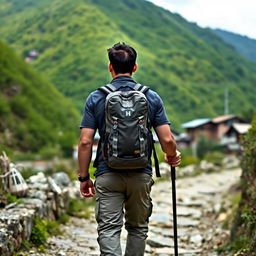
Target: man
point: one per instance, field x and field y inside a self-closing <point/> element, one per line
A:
<point x="121" y="193"/>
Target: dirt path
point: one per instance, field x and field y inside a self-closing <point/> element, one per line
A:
<point x="199" y="199"/>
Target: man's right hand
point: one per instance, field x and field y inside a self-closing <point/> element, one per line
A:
<point x="87" y="188"/>
<point x="173" y="160"/>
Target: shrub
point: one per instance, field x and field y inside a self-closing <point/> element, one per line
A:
<point x="63" y="219"/>
<point x="49" y="152"/>
<point x="27" y="172"/>
<point x="215" y="157"/>
<point x="12" y="199"/>
<point x="42" y="229"/>
<point x="188" y="160"/>
<point x="244" y="225"/>
<point x="39" y="232"/>
<point x="80" y="207"/>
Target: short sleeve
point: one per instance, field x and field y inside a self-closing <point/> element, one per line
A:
<point x="88" y="119"/>
<point x="160" y="117"/>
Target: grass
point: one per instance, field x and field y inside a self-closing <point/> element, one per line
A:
<point x="12" y="198"/>
<point x="41" y="231"/>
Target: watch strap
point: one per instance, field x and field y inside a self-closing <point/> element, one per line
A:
<point x="85" y="178"/>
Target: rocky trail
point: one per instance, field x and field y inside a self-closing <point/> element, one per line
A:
<point x="199" y="200"/>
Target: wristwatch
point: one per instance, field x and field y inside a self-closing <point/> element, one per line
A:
<point x="82" y="179"/>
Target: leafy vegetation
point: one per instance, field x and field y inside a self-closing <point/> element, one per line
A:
<point x="42" y="229"/>
<point x="80" y="208"/>
<point x="12" y="198"/>
<point x="188" y="66"/>
<point x="244" y="45"/>
<point x="209" y="150"/>
<point x="35" y="117"/>
<point x="243" y="232"/>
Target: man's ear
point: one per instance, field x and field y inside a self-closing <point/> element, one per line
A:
<point x="110" y="68"/>
<point x="135" y="68"/>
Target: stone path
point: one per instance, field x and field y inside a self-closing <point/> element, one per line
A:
<point x="199" y="200"/>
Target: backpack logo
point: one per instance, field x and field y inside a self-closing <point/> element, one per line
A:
<point x="128" y="113"/>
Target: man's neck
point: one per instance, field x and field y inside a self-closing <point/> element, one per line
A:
<point x="121" y="74"/>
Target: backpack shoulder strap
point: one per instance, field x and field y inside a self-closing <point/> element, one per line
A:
<point x="141" y="88"/>
<point x="108" y="88"/>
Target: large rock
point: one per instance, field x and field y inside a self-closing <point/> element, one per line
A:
<point x="61" y="179"/>
<point x="207" y="166"/>
<point x="187" y="170"/>
<point x="231" y="161"/>
<point x="38" y="178"/>
<point x="165" y="170"/>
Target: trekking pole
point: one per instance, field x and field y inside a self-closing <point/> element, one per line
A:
<point x="175" y="235"/>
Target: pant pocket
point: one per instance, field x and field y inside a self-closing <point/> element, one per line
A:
<point x="150" y="209"/>
<point x="97" y="210"/>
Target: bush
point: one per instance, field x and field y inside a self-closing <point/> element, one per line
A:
<point x="42" y="229"/>
<point x="206" y="146"/>
<point x="67" y="141"/>
<point x="188" y="160"/>
<point x="39" y="232"/>
<point x="49" y="152"/>
<point x="25" y="157"/>
<point x="63" y="219"/>
<point x="80" y="207"/>
<point x="12" y="199"/>
<point x="214" y="157"/>
<point x="244" y="225"/>
<point x="27" y="172"/>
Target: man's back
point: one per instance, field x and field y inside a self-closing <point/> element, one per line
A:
<point x="94" y="116"/>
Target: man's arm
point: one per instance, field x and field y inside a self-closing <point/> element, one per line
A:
<point x="84" y="159"/>
<point x="168" y="144"/>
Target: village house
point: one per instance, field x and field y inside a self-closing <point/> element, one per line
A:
<point x="232" y="138"/>
<point x="213" y="129"/>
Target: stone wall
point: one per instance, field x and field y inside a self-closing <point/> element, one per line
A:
<point x="45" y="199"/>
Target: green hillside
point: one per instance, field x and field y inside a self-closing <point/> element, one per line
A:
<point x="244" y="45"/>
<point x="34" y="115"/>
<point x="188" y="66"/>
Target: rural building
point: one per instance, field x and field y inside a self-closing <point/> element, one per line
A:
<point x="213" y="129"/>
<point x="232" y="138"/>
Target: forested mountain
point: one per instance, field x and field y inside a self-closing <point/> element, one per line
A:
<point x="188" y="66"/>
<point x="244" y="45"/>
<point x="33" y="114"/>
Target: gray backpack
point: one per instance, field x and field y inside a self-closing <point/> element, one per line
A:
<point x="128" y="141"/>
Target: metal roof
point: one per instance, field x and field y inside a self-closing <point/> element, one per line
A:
<point x="195" y="123"/>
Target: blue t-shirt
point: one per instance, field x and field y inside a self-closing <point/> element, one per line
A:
<point x="94" y="117"/>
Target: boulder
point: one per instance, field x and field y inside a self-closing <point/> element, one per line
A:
<point x="61" y="179"/>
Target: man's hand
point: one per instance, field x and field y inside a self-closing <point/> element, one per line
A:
<point x="173" y="160"/>
<point x="87" y="188"/>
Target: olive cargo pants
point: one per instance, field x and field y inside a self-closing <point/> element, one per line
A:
<point x="116" y="192"/>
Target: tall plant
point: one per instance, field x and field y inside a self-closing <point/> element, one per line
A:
<point x="243" y="232"/>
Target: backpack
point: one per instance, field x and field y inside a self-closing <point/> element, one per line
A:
<point x="128" y="140"/>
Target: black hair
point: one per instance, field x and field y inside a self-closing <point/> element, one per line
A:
<point x="122" y="57"/>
